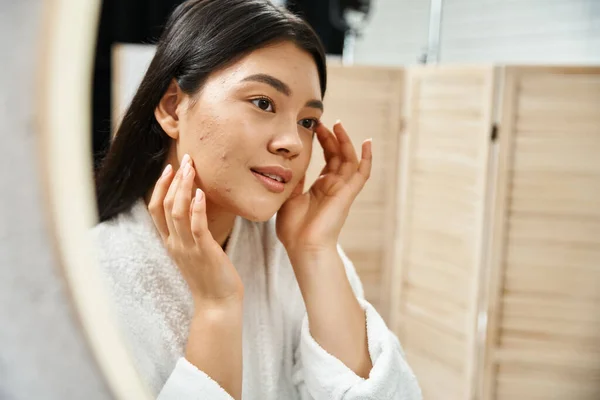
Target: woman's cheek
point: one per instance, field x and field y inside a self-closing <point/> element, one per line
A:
<point x="307" y="154"/>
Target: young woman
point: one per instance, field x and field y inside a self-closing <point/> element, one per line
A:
<point x="206" y="278"/>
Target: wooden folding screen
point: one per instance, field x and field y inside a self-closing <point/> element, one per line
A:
<point x="544" y="310"/>
<point x="368" y="100"/>
<point x="484" y="258"/>
<point x="438" y="265"/>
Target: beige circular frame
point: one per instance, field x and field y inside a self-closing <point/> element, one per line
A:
<point x="68" y="43"/>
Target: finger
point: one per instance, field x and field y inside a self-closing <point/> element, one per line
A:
<point x="181" y="206"/>
<point x="169" y="201"/>
<point x="332" y="166"/>
<point x="155" y="205"/>
<point x="199" y="226"/>
<point x="330" y="146"/>
<point x="328" y="141"/>
<point x="359" y="179"/>
<point x="349" y="159"/>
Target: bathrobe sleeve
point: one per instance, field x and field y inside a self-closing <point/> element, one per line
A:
<point x="189" y="383"/>
<point x="320" y="376"/>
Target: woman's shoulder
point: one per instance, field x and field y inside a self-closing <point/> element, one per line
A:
<point x="113" y="247"/>
<point x="126" y="240"/>
<point x="106" y="231"/>
<point x="109" y="237"/>
<point x="114" y="236"/>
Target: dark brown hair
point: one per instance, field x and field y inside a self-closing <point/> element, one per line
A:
<point x="200" y="37"/>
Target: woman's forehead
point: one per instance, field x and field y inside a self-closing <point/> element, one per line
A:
<point x="284" y="61"/>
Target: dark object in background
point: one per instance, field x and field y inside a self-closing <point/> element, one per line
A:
<point x="142" y="21"/>
<point x="339" y="8"/>
<point x="318" y="14"/>
<point x="121" y="21"/>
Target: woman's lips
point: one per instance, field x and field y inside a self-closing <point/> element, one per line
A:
<point x="277" y="172"/>
<point x="271" y="184"/>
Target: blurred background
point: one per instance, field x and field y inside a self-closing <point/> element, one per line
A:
<point x="478" y="236"/>
<point x="377" y="32"/>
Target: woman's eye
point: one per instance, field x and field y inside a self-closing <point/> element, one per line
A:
<point x="263" y="104"/>
<point x="309" y="123"/>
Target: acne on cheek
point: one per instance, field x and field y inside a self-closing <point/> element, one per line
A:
<point x="204" y="131"/>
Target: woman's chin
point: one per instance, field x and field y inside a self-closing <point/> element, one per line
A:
<point x="255" y="218"/>
<point x="259" y="211"/>
<point x="258" y="217"/>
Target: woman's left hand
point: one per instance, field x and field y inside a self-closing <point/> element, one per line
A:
<point x="312" y="221"/>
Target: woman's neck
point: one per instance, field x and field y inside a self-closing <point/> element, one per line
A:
<point x="220" y="223"/>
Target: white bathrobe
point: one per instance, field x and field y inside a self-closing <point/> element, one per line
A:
<point x="281" y="360"/>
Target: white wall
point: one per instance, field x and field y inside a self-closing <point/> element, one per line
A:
<point x="503" y="31"/>
<point x="396" y="33"/>
<point x="129" y="65"/>
<point x="526" y="31"/>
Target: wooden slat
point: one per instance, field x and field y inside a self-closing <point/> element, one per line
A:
<point x="565" y="194"/>
<point x="442" y="207"/>
<point x="448" y="314"/>
<point x="543" y="337"/>
<point x="368" y="100"/>
<point x="522" y="375"/>
<point x="435" y="378"/>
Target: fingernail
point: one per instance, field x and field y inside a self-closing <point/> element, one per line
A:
<point x="339" y="121"/>
<point x="167" y="170"/>
<point x="185" y="160"/>
<point x="187" y="169"/>
<point x="198" y="195"/>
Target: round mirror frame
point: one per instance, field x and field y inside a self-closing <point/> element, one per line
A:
<point x="64" y="110"/>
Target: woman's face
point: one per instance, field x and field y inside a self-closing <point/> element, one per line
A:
<point x="250" y="130"/>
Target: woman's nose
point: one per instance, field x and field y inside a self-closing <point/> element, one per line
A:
<point x="287" y="143"/>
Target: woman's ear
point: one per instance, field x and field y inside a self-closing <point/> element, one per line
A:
<point x="167" y="111"/>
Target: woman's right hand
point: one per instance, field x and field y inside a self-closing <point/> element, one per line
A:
<point x="181" y="222"/>
<point x="215" y="335"/>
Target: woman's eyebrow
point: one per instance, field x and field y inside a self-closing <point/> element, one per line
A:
<point x="314" y="104"/>
<point x="270" y="80"/>
<point x="281" y="87"/>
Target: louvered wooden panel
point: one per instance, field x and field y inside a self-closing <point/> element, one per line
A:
<point x="368" y="100"/>
<point x="544" y="315"/>
<point x="438" y="263"/>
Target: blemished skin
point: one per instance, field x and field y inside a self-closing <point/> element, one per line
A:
<point x="241" y="147"/>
